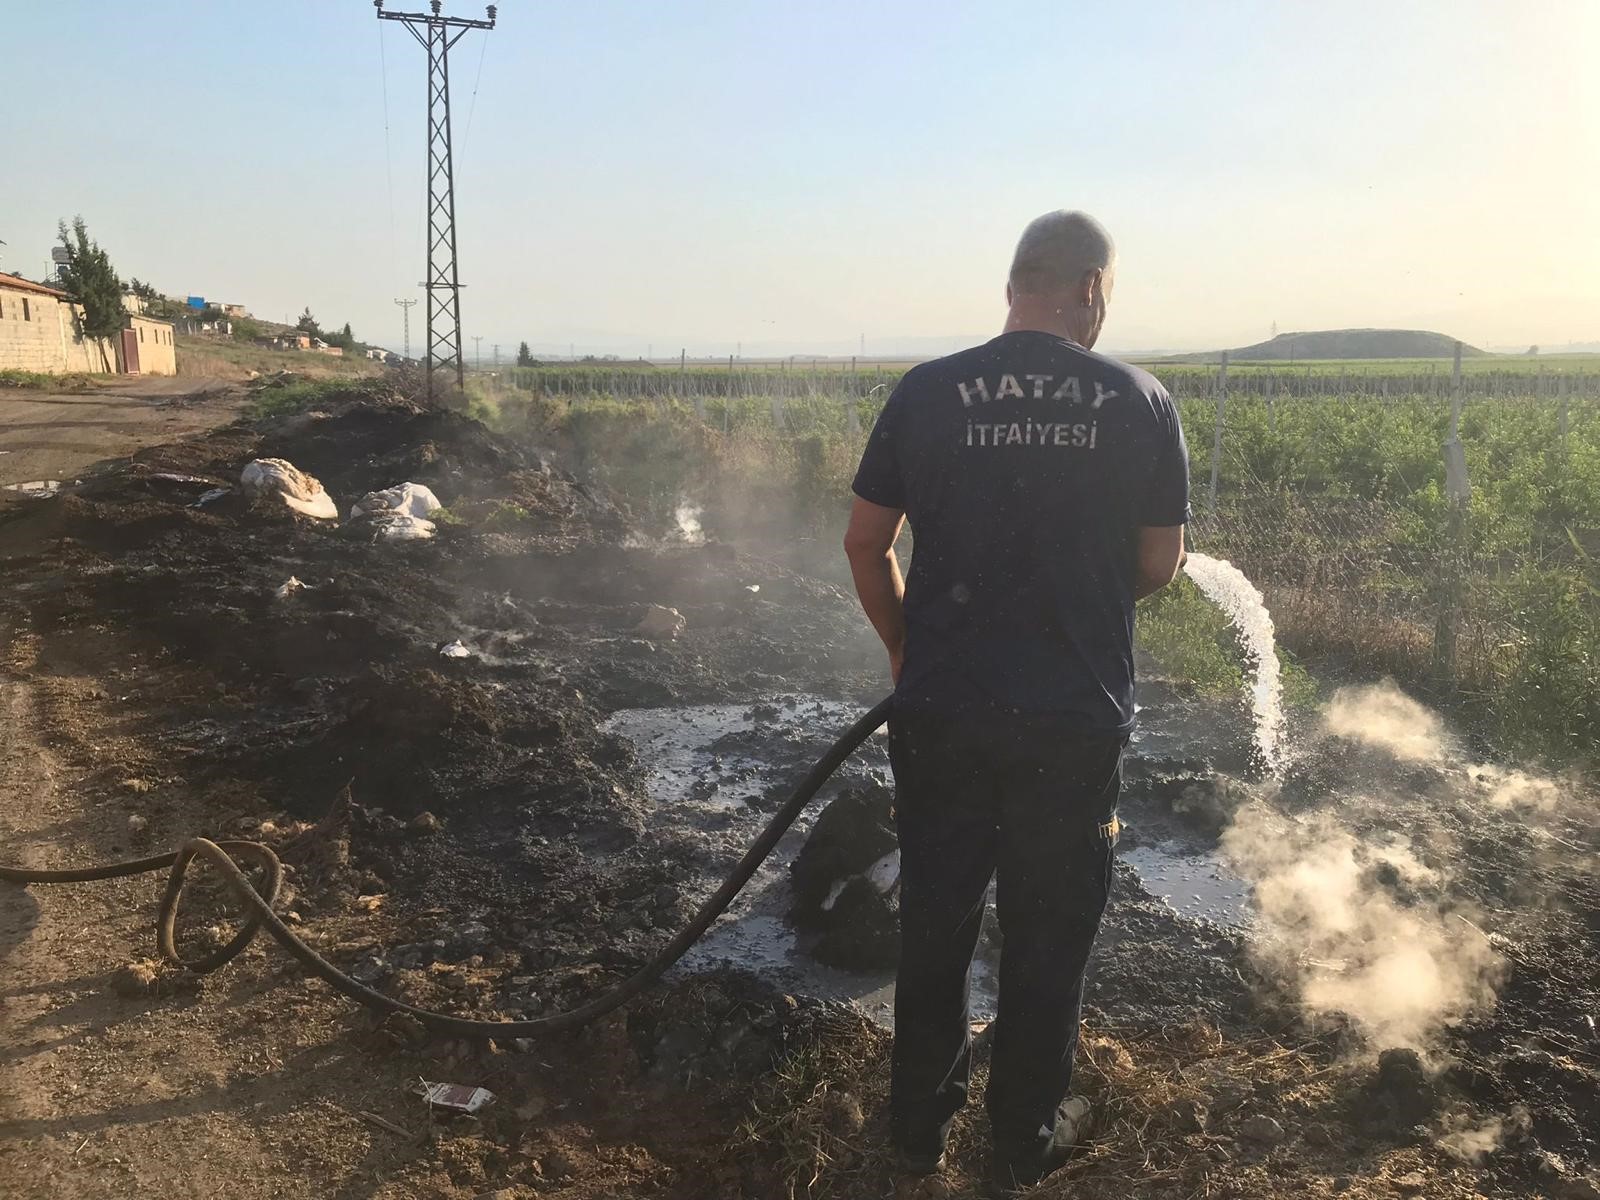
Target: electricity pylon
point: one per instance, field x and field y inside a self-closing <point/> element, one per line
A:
<point x="405" y="306"/>
<point x="436" y="34"/>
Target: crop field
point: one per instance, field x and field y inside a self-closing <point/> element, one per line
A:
<point x="1330" y="496"/>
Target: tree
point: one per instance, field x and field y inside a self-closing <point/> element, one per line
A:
<point x="343" y="338"/>
<point x="87" y="276"/>
<point x="524" y="356"/>
<point x="308" y="324"/>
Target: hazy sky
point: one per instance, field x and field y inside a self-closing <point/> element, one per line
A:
<point x="792" y="176"/>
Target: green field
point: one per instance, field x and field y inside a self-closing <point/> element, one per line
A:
<point x="1333" y="501"/>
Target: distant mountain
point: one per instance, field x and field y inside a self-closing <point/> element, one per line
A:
<point x="1342" y="343"/>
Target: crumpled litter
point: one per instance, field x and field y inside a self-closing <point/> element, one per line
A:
<point x="456" y="1097"/>
<point x="36" y="489"/>
<point x="455" y="650"/>
<point x="289" y="587"/>
<point x="407" y="499"/>
<point x="273" y="477"/>
<point x="398" y="527"/>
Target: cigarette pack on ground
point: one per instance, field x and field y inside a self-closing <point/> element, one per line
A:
<point x="457" y="1097"/>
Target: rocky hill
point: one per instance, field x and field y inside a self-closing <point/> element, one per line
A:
<point x="1342" y="343"/>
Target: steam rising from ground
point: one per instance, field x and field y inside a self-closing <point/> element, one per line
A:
<point x="1363" y="920"/>
<point x="687" y="518"/>
<point x="1381" y="715"/>
<point x="1349" y="943"/>
<point x="1472" y="1142"/>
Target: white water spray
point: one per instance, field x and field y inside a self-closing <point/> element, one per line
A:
<point x="1240" y="600"/>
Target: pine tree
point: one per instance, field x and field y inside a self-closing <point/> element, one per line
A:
<point x="308" y="324"/>
<point x="524" y="356"/>
<point x="87" y="276"/>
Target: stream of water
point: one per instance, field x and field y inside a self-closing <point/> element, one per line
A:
<point x="1231" y="590"/>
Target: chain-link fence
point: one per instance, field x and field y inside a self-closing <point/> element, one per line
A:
<point x="1327" y="485"/>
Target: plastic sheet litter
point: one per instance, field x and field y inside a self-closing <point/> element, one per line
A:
<point x="268" y="478"/>
<point x="404" y="499"/>
<point x="455" y="650"/>
<point x="37" y="489"/>
<point x="398" y="527"/>
<point x="289" y="587"/>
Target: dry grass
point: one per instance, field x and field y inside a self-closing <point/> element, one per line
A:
<point x="1166" y="1123"/>
<point x="220" y="358"/>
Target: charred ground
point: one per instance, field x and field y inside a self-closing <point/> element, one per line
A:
<point x="498" y="855"/>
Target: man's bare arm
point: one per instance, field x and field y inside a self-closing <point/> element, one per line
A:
<point x="1161" y="557"/>
<point x="869" y="544"/>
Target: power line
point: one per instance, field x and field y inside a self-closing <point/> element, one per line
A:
<point x="388" y="154"/>
<point x="436" y="34"/>
<point x="472" y="106"/>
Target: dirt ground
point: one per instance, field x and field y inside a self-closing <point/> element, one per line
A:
<point x="50" y="435"/>
<point x="465" y="834"/>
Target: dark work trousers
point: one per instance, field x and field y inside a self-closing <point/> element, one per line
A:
<point x="1034" y="803"/>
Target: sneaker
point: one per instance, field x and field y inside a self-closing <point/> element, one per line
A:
<point x="906" y="1163"/>
<point x="1012" y="1176"/>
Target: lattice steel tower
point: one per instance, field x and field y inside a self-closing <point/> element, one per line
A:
<point x="436" y="34"/>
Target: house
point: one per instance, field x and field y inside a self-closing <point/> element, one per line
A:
<point x="41" y="330"/>
<point x="322" y="347"/>
<point x="234" y="310"/>
<point x="288" y="340"/>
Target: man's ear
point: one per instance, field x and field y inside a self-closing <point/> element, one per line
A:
<point x="1009" y="299"/>
<point x="1091" y="284"/>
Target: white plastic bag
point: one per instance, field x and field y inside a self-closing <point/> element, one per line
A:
<point x="268" y="477"/>
<point x="404" y="499"/>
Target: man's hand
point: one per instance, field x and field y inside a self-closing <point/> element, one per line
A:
<point x="1161" y="555"/>
<point x="869" y="544"/>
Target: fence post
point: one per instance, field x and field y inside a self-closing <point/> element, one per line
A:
<point x="1272" y="402"/>
<point x="1452" y="565"/>
<point x="1216" y="439"/>
<point x="1561" y="416"/>
<point x="852" y="409"/>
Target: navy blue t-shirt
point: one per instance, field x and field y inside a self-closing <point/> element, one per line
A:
<point x="1026" y="467"/>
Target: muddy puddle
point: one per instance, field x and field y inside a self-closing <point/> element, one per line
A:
<point x="714" y="772"/>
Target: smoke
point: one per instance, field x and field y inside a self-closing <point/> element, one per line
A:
<point x="1473" y="1142"/>
<point x="1332" y="926"/>
<point x="1382" y="715"/>
<point x="1510" y="788"/>
<point x="1360" y="918"/>
<point x="687" y="518"/>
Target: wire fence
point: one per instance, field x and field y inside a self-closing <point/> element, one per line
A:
<point x="1333" y="488"/>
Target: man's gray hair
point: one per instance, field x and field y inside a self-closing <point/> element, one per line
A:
<point x="1057" y="250"/>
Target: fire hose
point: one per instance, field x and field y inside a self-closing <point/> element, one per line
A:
<point x="259" y="913"/>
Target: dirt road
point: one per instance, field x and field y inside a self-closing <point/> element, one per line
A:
<point x="51" y="435"/>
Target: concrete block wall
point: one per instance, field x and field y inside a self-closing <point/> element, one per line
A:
<point x="157" y="353"/>
<point x="41" y="333"/>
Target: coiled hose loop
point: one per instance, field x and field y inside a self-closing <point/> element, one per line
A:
<point x="226" y="855"/>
